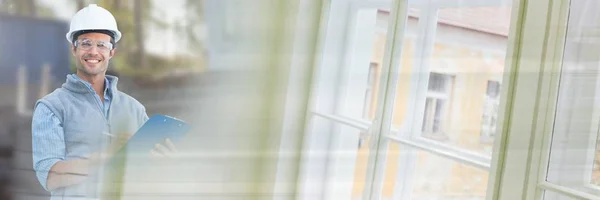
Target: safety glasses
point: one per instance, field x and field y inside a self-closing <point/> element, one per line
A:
<point x="87" y="44"/>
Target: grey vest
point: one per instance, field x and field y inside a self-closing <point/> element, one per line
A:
<point x="84" y="122"/>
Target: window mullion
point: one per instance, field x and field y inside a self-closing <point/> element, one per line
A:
<point x="421" y="70"/>
<point x="411" y="128"/>
<point x="467" y="158"/>
<point x="384" y="111"/>
<point x="549" y="91"/>
<point x="363" y="126"/>
<point x="524" y="102"/>
<point x="566" y="191"/>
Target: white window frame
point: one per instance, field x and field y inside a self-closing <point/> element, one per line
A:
<point x="428" y="21"/>
<point x="514" y="171"/>
<point x="523" y="152"/>
<point x="581" y="178"/>
<point x="331" y="47"/>
<point x="389" y="83"/>
<point x="525" y="122"/>
<point x="579" y="150"/>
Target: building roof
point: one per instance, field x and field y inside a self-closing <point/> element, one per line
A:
<point x="493" y="20"/>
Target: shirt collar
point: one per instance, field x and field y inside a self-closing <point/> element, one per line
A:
<point x="107" y="89"/>
<point x="77" y="85"/>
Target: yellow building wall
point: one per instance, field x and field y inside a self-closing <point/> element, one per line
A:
<point x="472" y="69"/>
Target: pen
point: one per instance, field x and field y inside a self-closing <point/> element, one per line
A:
<point x="108" y="134"/>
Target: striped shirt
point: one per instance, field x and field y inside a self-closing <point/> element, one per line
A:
<point x="48" y="138"/>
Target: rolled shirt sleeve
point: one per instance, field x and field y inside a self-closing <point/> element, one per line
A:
<point x="48" y="143"/>
<point x="143" y="117"/>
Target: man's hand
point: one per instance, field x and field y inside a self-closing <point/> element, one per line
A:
<point x="167" y="150"/>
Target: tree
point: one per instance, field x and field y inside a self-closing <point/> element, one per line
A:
<point x="195" y="19"/>
<point x="28" y="8"/>
<point x="31" y="7"/>
<point x="130" y="18"/>
<point x="80" y="5"/>
<point x="117" y="4"/>
<point x="133" y="16"/>
<point x="139" y="32"/>
<point x="20" y="7"/>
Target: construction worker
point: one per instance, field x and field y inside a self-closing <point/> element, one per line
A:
<point x="79" y="126"/>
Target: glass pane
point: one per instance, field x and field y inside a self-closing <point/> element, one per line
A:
<point x="596" y="169"/>
<point x="550" y="195"/>
<point x="440" y="178"/>
<point x="574" y="149"/>
<point x="360" y="173"/>
<point x="349" y="86"/>
<point x="451" y="73"/>
<point x="408" y="50"/>
<point x="433" y="177"/>
<point x="391" y="170"/>
<point x="345" y="164"/>
<point x="447" y="94"/>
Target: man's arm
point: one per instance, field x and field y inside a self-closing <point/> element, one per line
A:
<point x="66" y="173"/>
<point x="49" y="150"/>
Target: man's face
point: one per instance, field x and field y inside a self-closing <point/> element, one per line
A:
<point x="93" y="51"/>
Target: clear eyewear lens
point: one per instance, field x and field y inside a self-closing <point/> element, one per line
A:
<point x="101" y="46"/>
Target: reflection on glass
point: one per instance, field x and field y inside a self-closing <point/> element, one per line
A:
<point x="574" y="152"/>
<point x="436" y="106"/>
<point x="360" y="174"/>
<point x="369" y="103"/>
<point x="434" y="177"/>
<point x="346" y="161"/>
<point x="596" y="170"/>
<point x="448" y="91"/>
<point x="464" y="59"/>
<point x="490" y="112"/>
<point x="550" y="195"/>
<point x="440" y="178"/>
<point x="350" y="89"/>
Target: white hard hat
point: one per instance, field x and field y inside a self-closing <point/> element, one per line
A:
<point x="93" y="17"/>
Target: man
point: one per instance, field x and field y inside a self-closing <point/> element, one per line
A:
<point x="78" y="127"/>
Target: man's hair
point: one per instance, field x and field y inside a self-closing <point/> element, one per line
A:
<point x="107" y="32"/>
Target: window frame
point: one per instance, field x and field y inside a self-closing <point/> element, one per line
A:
<point x="529" y="123"/>
<point x="312" y="164"/>
<point x="509" y="176"/>
<point x="583" y="188"/>
<point x="512" y="173"/>
<point x="521" y="174"/>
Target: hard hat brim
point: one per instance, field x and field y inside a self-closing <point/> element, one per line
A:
<point x="116" y="34"/>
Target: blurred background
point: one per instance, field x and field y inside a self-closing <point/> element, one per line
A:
<point x="220" y="79"/>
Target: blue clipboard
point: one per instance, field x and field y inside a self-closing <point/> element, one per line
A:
<point x="155" y="130"/>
